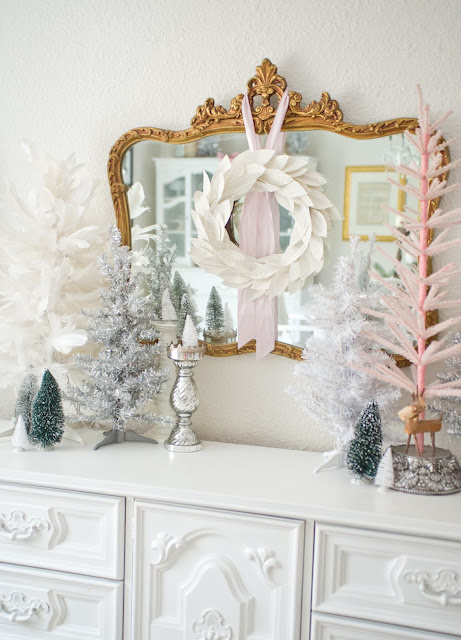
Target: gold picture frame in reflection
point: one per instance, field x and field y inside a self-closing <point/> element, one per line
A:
<point x="366" y="190"/>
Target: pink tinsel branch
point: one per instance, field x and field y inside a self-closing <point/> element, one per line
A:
<point x="434" y="128"/>
<point x="443" y="275"/>
<point x="442" y="145"/>
<point x="388" y="374"/>
<point x="403" y="241"/>
<point x="393" y="347"/>
<point x="442" y="218"/>
<point x="440" y="326"/>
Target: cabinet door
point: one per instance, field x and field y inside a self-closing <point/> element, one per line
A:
<point x="215" y="575"/>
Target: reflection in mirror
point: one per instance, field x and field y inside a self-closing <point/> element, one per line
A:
<point x="357" y="185"/>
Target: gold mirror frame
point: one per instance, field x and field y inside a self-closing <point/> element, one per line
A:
<point x="211" y="119"/>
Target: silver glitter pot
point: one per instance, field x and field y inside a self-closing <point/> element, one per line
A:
<point x="425" y="474"/>
<point x="184" y="399"/>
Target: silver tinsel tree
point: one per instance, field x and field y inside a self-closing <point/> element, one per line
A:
<point x="450" y="406"/>
<point x="161" y="263"/>
<point x="330" y="389"/>
<point x="125" y="375"/>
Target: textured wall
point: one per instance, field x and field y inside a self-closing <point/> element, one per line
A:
<point x="78" y="73"/>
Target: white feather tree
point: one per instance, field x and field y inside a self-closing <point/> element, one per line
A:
<point x="48" y="262"/>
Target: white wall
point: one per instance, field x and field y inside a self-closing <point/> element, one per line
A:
<point x="76" y="74"/>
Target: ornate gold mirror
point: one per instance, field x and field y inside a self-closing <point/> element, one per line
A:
<point x="352" y="157"/>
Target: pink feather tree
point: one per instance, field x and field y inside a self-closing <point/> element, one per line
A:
<point x="407" y="303"/>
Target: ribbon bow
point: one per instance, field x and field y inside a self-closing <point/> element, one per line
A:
<point x="259" y="234"/>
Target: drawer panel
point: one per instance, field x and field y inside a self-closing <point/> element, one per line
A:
<point x="212" y="574"/>
<point x="42" y="605"/>
<point x="414" y="582"/>
<point x="63" y="530"/>
<point x="336" y="628"/>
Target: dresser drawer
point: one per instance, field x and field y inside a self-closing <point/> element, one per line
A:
<point x="415" y="582"/>
<point x="42" y="605"/>
<point x="63" y="530"/>
<point x="336" y="628"/>
<point x="211" y="574"/>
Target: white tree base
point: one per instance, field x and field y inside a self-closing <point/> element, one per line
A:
<point x="7" y="429"/>
<point x="332" y="459"/>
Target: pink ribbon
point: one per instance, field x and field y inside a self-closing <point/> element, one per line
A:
<point x="231" y="156"/>
<point x="259" y="235"/>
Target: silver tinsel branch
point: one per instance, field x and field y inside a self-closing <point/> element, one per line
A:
<point x="161" y="264"/>
<point x="450" y="406"/>
<point x="125" y="375"/>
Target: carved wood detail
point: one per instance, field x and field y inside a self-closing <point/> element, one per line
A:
<point x="211" y="626"/>
<point x="17" y="526"/>
<point x="444" y="587"/>
<point x="17" y="608"/>
<point x="167" y="547"/>
<point x="265" y="560"/>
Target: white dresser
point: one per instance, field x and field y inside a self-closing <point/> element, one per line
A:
<point x="230" y="543"/>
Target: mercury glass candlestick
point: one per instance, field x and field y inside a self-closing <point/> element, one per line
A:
<point x="167" y="330"/>
<point x="184" y="398"/>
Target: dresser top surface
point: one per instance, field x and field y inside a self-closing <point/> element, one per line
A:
<point x="229" y="476"/>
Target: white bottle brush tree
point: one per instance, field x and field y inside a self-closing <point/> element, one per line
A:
<point x="125" y="375"/>
<point x="330" y="390"/>
<point x="188" y="308"/>
<point x="168" y="310"/>
<point x="47" y="265"/>
<point x="417" y="293"/>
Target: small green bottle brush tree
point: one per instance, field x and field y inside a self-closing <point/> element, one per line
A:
<point x="365" y="449"/>
<point x="47" y="414"/>
<point x="38" y="415"/>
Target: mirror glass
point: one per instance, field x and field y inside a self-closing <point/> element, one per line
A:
<point x="356" y="184"/>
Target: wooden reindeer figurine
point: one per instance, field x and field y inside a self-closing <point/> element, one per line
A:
<point x="413" y="425"/>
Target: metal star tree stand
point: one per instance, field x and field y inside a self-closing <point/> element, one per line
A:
<point x="116" y="436"/>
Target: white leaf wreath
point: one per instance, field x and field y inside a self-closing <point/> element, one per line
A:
<point x="297" y="188"/>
